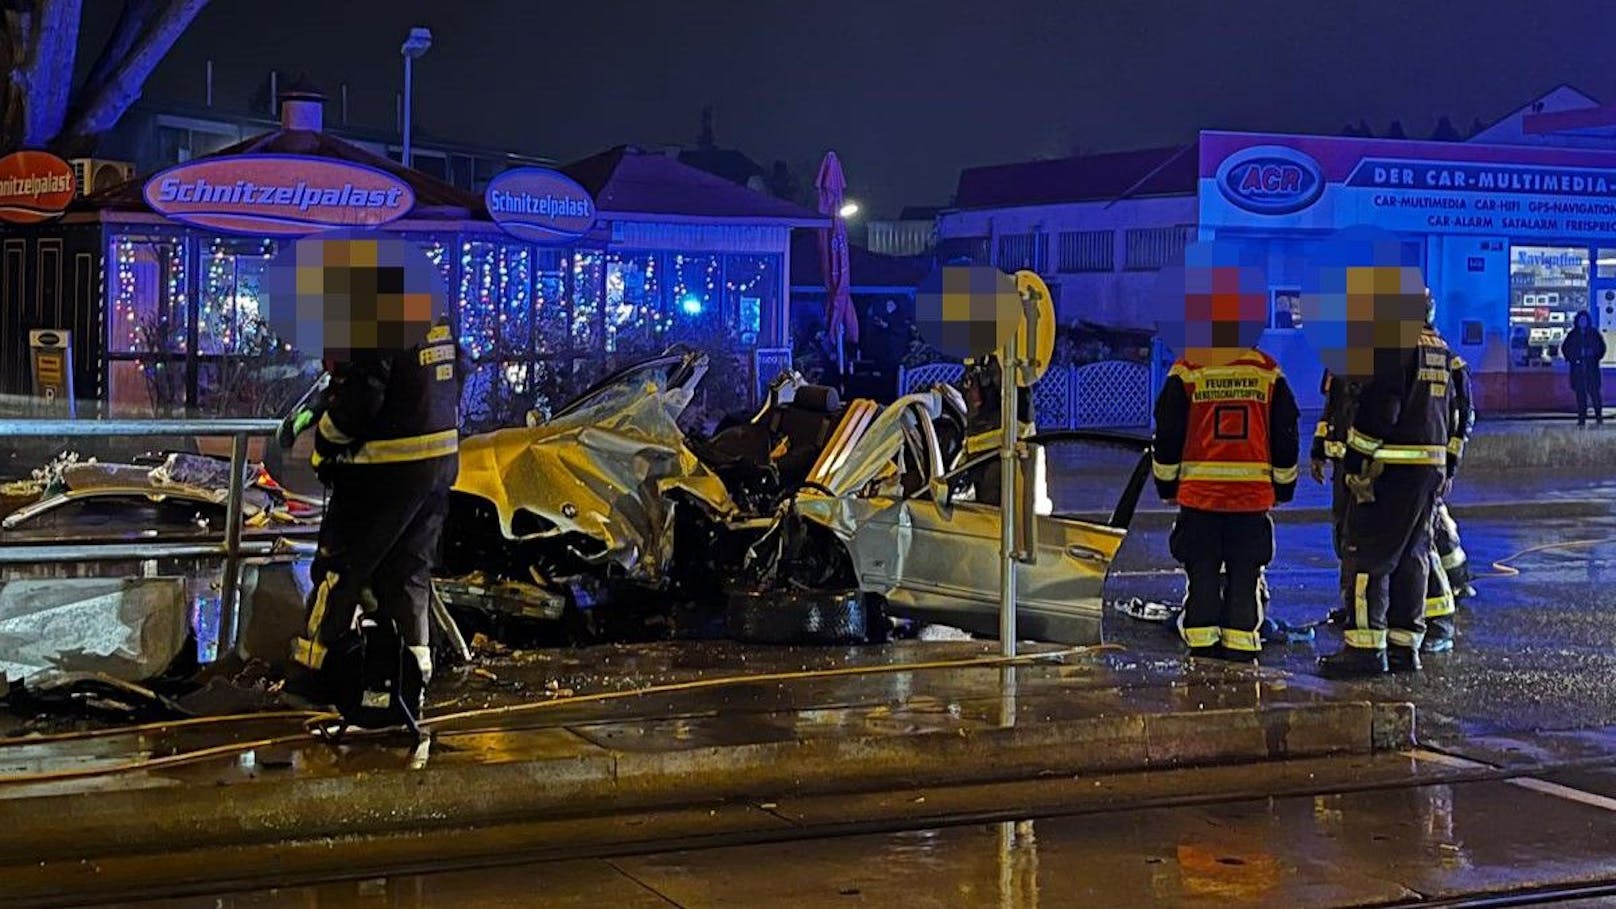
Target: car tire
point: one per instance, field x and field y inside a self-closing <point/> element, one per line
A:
<point x="797" y="616"/>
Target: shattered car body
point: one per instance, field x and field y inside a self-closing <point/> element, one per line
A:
<point x="806" y="494"/>
<point x="586" y="494"/>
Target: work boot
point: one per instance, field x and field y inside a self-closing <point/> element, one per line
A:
<point x="1437" y="644"/>
<point x="1403" y="659"/>
<point x="1353" y="662"/>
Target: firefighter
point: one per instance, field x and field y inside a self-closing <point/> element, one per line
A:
<point x="982" y="394"/>
<point x="1225" y="452"/>
<point x="1329" y="445"/>
<point x="1395" y="465"/>
<point x="1448" y="573"/>
<point x="387" y="447"/>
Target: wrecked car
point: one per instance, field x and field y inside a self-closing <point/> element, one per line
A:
<point x="813" y="518"/>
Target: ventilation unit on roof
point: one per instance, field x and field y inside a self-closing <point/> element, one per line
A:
<point x="96" y="174"/>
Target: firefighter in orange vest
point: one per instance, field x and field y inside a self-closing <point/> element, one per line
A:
<point x="1226" y="449"/>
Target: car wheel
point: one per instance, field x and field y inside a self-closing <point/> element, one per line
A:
<point x="797" y="616"/>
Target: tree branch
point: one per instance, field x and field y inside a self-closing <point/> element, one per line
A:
<point x="48" y="73"/>
<point x="112" y="99"/>
<point x="133" y="20"/>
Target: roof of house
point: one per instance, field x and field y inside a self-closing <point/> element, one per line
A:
<point x="628" y="181"/>
<point x="731" y="164"/>
<point x="433" y="197"/>
<point x="865" y="268"/>
<point x="1087" y="178"/>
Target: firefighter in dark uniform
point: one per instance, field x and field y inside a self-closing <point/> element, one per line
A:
<point x="1329" y="446"/>
<point x="387" y="447"/>
<point x="1395" y="465"/>
<point x="983" y="430"/>
<point x="1449" y="574"/>
<point x="1225" y="451"/>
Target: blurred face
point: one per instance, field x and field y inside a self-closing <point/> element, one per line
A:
<point x="1582" y="320"/>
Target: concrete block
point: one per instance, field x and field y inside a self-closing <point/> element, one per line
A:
<point x="1393" y="727"/>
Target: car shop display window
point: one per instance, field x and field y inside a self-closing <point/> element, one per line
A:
<point x="1548" y="286"/>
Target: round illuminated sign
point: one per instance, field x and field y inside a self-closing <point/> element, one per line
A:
<point x="34" y="186"/>
<point x="540" y="205"/>
<point x="278" y="195"/>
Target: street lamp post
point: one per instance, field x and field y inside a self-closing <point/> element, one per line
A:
<point x="414" y="46"/>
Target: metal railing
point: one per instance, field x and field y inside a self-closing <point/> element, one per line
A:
<point x="230" y="548"/>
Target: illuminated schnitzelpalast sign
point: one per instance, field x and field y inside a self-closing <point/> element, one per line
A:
<point x="34" y="186"/>
<point x="280" y="195"/>
<point x="540" y="205"/>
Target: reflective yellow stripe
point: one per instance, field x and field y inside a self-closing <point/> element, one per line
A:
<point x="328" y="428"/>
<point x="1400" y="637"/>
<point x="1365" y="638"/>
<point x="1457" y="363"/>
<point x="438" y="334"/>
<point x="1164" y="472"/>
<point x="1285" y="474"/>
<point x="308" y="653"/>
<point x="1336" y="450"/>
<point x="1456" y="446"/>
<point x="413" y="448"/>
<point x="1321" y="430"/>
<point x="1418" y="455"/>
<point x="1443" y="603"/>
<point x="1201" y="637"/>
<point x="1248" y="641"/>
<point x="1362" y="443"/>
<point x="1360" y="604"/>
<point x="1227" y="471"/>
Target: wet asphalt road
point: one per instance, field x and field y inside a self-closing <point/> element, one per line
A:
<point x="1537" y="651"/>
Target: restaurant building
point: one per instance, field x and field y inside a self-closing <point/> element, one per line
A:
<point x="673" y="254"/>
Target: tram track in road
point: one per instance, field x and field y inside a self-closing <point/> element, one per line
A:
<point x="805" y="821"/>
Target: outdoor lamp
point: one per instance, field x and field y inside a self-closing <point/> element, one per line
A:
<point x="414" y="46"/>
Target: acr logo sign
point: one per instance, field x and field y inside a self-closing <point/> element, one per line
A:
<point x="279" y="195"/>
<point x="1270" y="180"/>
<point x="540" y="205"/>
<point x="34" y="186"/>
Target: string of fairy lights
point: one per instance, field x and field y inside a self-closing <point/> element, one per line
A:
<point x="516" y="304"/>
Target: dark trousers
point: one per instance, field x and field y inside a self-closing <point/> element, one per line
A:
<point x="378" y="538"/>
<point x="1388" y="558"/>
<point x="1339" y="499"/>
<point x="1447" y="565"/>
<point x="1223" y="554"/>
<point x="1589" y="393"/>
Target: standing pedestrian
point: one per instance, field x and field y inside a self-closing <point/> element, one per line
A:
<point x="1329" y="447"/>
<point x="1225" y="452"/>
<point x="1584" y="349"/>
<point x="1395" y="464"/>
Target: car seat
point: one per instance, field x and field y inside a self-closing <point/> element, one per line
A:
<point x="800" y="430"/>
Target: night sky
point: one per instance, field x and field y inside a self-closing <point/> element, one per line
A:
<point x="907" y="91"/>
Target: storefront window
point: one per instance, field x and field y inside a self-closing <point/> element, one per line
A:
<point x="231" y="318"/>
<point x="633" y="305"/>
<point x="146" y="324"/>
<point x="751" y="288"/>
<point x="693" y="299"/>
<point x="550" y="298"/>
<point x="1548" y="286"/>
<point x="586" y="294"/>
<point x="1287" y="307"/>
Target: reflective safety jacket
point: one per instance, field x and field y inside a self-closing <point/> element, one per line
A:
<point x="1461" y="410"/>
<point x="1226" y="436"/>
<point x="389" y="407"/>
<point x="1405" y="411"/>
<point x="1330" y="436"/>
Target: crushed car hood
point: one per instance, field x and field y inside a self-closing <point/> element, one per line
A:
<point x="603" y="469"/>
